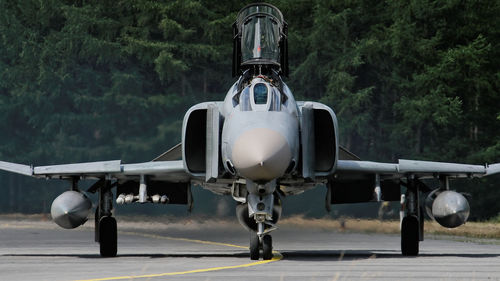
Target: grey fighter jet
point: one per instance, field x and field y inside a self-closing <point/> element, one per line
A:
<point x="257" y="146"/>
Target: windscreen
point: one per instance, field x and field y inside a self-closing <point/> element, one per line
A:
<point x="260" y="93"/>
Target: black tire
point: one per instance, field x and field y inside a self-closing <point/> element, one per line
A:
<point x="410" y="236"/>
<point x="254" y="246"/>
<point x="96" y="224"/>
<point x="107" y="237"/>
<point x="421" y="229"/>
<point x="267" y="247"/>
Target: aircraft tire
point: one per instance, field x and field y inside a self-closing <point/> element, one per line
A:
<point x="410" y="236"/>
<point x="267" y="247"/>
<point x="107" y="237"/>
<point x="254" y="246"/>
<point x="96" y="225"/>
<point x="421" y="225"/>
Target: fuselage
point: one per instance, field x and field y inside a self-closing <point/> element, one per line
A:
<point x="260" y="135"/>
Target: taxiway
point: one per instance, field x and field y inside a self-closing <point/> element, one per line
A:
<point x="34" y="250"/>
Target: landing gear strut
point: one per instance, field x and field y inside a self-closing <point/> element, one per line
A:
<point x="412" y="224"/>
<point x="259" y="214"/>
<point x="256" y="244"/>
<point x="105" y="224"/>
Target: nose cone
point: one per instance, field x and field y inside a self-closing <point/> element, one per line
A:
<point x="261" y="154"/>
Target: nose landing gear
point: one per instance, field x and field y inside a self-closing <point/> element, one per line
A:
<point x="259" y="212"/>
<point x="264" y="243"/>
<point x="261" y="208"/>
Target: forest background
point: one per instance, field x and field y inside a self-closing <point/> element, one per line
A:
<point x="112" y="79"/>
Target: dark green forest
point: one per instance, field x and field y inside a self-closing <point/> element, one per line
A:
<point x="100" y="80"/>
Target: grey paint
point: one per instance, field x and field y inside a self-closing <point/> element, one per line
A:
<point x="16" y="168"/>
<point x="493" y="169"/>
<point x="212" y="145"/>
<point x="320" y="106"/>
<point x="261" y="154"/>
<point x="450" y="209"/>
<point x="174" y="153"/>
<point x="414" y="166"/>
<point x="423" y="168"/>
<point x="104" y="167"/>
<point x="70" y="209"/>
<point x="366" y="167"/>
<point x="159" y="167"/>
<point x="307" y="141"/>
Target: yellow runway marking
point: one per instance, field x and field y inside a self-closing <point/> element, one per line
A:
<point x="276" y="257"/>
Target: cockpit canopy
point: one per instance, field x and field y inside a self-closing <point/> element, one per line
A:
<point x="260" y="38"/>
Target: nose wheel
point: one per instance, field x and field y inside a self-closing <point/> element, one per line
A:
<point x="267" y="247"/>
<point x="265" y="244"/>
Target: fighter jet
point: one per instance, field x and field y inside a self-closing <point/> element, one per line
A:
<point x="257" y="146"/>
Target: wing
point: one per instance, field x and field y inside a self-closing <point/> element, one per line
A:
<point x="422" y="169"/>
<point x="355" y="181"/>
<point x="163" y="177"/>
<point x="172" y="171"/>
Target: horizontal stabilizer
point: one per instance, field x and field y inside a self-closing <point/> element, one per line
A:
<point x="175" y="153"/>
<point x="345" y="154"/>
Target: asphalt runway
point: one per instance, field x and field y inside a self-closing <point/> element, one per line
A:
<point x="34" y="250"/>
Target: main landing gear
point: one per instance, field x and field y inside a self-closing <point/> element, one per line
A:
<point x="105" y="224"/>
<point x="412" y="225"/>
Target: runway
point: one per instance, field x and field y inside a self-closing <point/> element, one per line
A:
<point x="34" y="250"/>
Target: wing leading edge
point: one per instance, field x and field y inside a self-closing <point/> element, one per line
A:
<point x="160" y="170"/>
<point x="419" y="168"/>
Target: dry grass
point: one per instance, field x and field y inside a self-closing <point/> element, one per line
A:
<point x="483" y="230"/>
<point x="470" y="229"/>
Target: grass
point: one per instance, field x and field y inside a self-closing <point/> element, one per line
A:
<point x="482" y="230"/>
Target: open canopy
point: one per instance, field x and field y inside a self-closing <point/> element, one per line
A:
<point x="260" y="33"/>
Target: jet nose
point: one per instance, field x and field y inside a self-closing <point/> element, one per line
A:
<point x="261" y="154"/>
